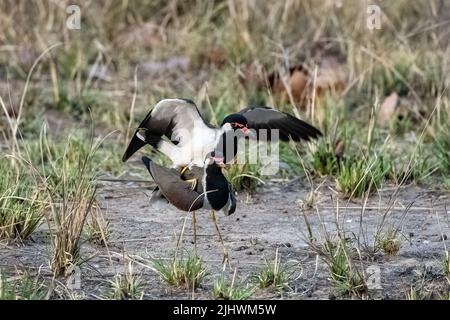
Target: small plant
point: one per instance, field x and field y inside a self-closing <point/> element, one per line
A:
<point x="358" y="176"/>
<point x="309" y="202"/>
<point x="71" y="194"/>
<point x="21" y="205"/>
<point x="187" y="273"/>
<point x="345" y="275"/>
<point x="390" y="246"/>
<point x="412" y="168"/>
<point x="226" y="290"/>
<point x="126" y="286"/>
<point x="274" y="274"/>
<point x="389" y="242"/>
<point x="21" y="288"/>
<point x="324" y="160"/>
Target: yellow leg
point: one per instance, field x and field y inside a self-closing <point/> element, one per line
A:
<point x="194" y="230"/>
<point x="193" y="183"/>
<point x="225" y="251"/>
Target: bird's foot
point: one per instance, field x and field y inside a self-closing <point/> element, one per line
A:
<point x="183" y="170"/>
<point x="193" y="183"/>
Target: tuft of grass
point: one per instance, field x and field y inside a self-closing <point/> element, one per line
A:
<point x="226" y="290"/>
<point x="187" y="273"/>
<point x="274" y="274"/>
<point x="348" y="279"/>
<point x="21" y="202"/>
<point x="22" y="288"/>
<point x="359" y="175"/>
<point x="126" y="286"/>
<point x="339" y="255"/>
<point x="71" y="193"/>
<point x="324" y="161"/>
<point x="389" y="241"/>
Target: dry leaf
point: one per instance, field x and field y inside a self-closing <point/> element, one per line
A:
<point x="387" y="109"/>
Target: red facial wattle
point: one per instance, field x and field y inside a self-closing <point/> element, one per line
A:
<point x="244" y="130"/>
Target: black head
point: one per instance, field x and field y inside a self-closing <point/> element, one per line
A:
<point x="236" y="120"/>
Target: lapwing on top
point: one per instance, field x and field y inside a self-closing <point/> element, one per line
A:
<point x="212" y="192"/>
<point x="189" y="138"/>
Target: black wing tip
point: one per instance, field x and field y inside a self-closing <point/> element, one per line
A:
<point x="146" y="160"/>
<point x="306" y="131"/>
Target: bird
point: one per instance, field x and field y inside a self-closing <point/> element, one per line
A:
<point x="176" y="128"/>
<point x="212" y="192"/>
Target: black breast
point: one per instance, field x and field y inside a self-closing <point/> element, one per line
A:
<point x="217" y="190"/>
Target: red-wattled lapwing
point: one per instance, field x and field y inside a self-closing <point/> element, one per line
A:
<point x="190" y="138"/>
<point x="212" y="192"/>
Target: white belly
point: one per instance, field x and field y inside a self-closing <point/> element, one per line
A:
<point x="195" y="151"/>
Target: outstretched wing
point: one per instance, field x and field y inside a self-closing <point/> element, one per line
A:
<point x="171" y="118"/>
<point x="289" y="126"/>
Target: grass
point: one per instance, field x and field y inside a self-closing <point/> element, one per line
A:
<point x="230" y="290"/>
<point x="274" y="274"/>
<point x="358" y="176"/>
<point x="390" y="242"/>
<point x="21" y="288"/>
<point x="186" y="273"/>
<point x="21" y="202"/>
<point x="126" y="286"/>
<point x="348" y="279"/>
<point x="337" y="251"/>
<point x="67" y="174"/>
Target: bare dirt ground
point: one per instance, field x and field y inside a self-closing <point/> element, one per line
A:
<point x="268" y="220"/>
